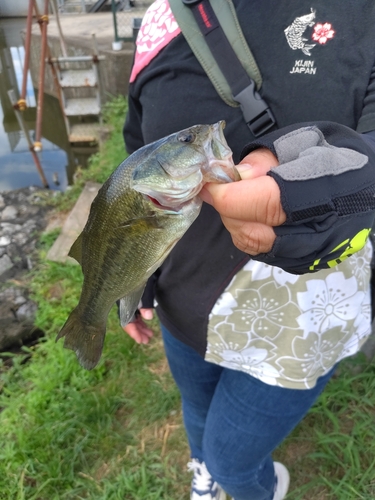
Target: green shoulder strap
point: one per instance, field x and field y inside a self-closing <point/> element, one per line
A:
<point x="227" y="17"/>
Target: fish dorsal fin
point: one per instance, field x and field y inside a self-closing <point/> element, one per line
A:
<point x="76" y="250"/>
<point x="129" y="304"/>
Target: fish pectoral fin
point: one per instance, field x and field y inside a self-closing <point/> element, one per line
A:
<point x="76" y="250"/>
<point x="148" y="221"/>
<point x="129" y="304"/>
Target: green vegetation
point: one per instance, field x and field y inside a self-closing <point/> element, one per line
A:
<point x="115" y="433"/>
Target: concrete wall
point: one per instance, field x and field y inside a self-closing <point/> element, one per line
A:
<point x="16" y="8"/>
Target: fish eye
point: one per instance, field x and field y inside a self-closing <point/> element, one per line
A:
<point x="186" y="137"/>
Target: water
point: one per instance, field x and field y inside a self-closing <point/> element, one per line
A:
<point x="58" y="158"/>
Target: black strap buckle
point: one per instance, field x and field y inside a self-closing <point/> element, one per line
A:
<point x="257" y="114"/>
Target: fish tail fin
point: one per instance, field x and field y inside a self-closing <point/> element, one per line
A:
<point x="85" y="340"/>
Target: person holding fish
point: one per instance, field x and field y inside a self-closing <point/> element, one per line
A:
<point x="262" y="294"/>
<point x="259" y="305"/>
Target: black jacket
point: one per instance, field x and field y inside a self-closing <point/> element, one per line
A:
<point x="311" y="82"/>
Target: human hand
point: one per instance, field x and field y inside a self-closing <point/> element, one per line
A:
<point x="249" y="208"/>
<point x="138" y="329"/>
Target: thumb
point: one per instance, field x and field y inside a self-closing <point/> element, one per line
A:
<point x="248" y="171"/>
<point x="146" y="313"/>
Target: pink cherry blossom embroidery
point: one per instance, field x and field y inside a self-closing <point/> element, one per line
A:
<point x="158" y="28"/>
<point x="322" y="32"/>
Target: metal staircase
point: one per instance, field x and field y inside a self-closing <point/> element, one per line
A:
<point x="79" y="81"/>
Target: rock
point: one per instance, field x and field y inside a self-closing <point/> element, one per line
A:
<point x="20" y="239"/>
<point x="8" y="228"/>
<point x="4" y="241"/>
<point x="5" y="264"/>
<point x="20" y="300"/>
<point x="17" y="335"/>
<point x="17" y="314"/>
<point x="9" y="213"/>
<point x="27" y="311"/>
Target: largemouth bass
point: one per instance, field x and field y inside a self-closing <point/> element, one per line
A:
<point x="137" y="217"/>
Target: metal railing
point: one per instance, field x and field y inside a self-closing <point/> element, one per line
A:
<point x="74" y="6"/>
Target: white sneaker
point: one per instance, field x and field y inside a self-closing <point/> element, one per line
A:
<point x="283" y="480"/>
<point x="203" y="487"/>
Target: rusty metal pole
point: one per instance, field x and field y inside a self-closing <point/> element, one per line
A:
<point x="39" y="115"/>
<point x="23" y="127"/>
<point x="22" y="105"/>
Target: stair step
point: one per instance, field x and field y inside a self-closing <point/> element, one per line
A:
<point x="78" y="78"/>
<point x="86" y="132"/>
<point x="82" y="106"/>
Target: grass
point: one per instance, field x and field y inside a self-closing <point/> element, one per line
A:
<point x="332" y="453"/>
<point x="115" y="433"/>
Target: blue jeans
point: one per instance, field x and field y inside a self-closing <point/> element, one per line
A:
<point x="234" y="421"/>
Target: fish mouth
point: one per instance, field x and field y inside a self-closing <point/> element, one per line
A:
<point x="169" y="204"/>
<point x="174" y="192"/>
<point x="220" y="166"/>
<point x="158" y="205"/>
